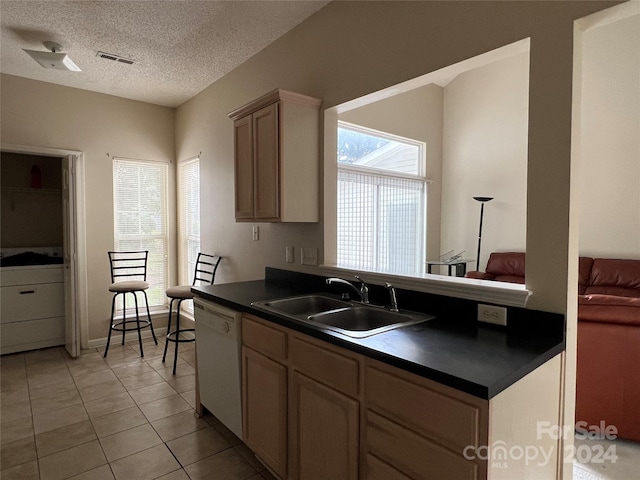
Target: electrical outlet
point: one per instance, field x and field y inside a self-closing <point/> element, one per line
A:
<point x="309" y="256"/>
<point x="492" y="314"/>
<point x="289" y="255"/>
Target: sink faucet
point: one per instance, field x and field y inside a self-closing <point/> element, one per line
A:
<point x="363" y="292"/>
<point x="394" y="297"/>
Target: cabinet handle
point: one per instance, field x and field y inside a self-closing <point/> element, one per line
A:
<point x="27" y="292"/>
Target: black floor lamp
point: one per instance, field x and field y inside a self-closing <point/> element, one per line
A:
<point x="482" y="201"/>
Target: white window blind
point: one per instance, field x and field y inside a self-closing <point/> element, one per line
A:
<point x="379" y="222"/>
<point x="140" y="223"/>
<point x="381" y="215"/>
<point x="189" y="221"/>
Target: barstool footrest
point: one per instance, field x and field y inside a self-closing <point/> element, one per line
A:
<point x="117" y="326"/>
<point x="181" y="340"/>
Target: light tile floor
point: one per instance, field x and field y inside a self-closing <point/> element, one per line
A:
<point x="123" y="417"/>
<point x="606" y="460"/>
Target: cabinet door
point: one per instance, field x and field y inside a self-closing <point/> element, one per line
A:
<point x="266" y="191"/>
<point x="379" y="470"/>
<point x="324" y="432"/>
<point x="265" y="409"/>
<point x="243" y="143"/>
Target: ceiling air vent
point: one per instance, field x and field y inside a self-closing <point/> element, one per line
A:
<point x="115" y="58"/>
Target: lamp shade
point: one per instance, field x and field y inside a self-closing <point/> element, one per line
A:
<point x="482" y="201"/>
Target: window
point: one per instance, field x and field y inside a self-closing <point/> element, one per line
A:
<point x="381" y="215"/>
<point x="140" y="209"/>
<point x="189" y="221"/>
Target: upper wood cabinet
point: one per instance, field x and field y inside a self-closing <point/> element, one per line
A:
<point x="276" y="140"/>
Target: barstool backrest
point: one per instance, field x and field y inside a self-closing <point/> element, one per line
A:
<point x="128" y="265"/>
<point x="206" y="267"/>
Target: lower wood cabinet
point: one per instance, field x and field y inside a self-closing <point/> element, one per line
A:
<point x="379" y="470"/>
<point x="313" y="411"/>
<point x="265" y="393"/>
<point x="324" y="430"/>
<point x="415" y="455"/>
<point x="301" y="403"/>
<point x="421" y="428"/>
<point x="265" y="409"/>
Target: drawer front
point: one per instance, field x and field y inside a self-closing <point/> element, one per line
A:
<point x="413" y="455"/>
<point x="32" y="334"/>
<point x="325" y="365"/>
<point x="29" y="302"/>
<point x="30" y="275"/>
<point x="379" y="470"/>
<point x="446" y="419"/>
<point x="264" y="339"/>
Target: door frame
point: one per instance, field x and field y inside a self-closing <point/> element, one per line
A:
<point x="79" y="293"/>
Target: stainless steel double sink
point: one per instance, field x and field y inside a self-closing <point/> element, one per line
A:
<point x="353" y="319"/>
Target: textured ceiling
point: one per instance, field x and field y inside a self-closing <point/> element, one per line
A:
<point x="179" y="46"/>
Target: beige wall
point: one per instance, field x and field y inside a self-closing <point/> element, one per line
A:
<point x="350" y="49"/>
<point x="610" y="141"/>
<point x="337" y="56"/>
<point x="416" y="114"/>
<point x="485" y="154"/>
<point x="40" y="114"/>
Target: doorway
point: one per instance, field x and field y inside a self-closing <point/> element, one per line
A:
<point x="70" y="190"/>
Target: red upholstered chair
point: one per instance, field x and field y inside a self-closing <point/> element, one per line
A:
<point x="503" y="267"/>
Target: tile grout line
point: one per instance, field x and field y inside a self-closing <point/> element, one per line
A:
<point x="149" y="422"/>
<point x="148" y="362"/>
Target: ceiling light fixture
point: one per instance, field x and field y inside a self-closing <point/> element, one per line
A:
<point x="53" y="59"/>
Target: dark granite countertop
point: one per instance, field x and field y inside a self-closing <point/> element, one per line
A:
<point x="478" y="359"/>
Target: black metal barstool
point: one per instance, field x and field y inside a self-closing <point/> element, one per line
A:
<point x="129" y="275"/>
<point x="205" y="273"/>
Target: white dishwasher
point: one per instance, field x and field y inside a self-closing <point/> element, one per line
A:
<point x="218" y="346"/>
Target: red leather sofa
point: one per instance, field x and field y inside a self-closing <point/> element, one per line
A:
<point x="608" y="369"/>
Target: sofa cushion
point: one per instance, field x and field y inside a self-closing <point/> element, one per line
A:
<point x="609" y="309"/>
<point x="507" y="266"/>
<point x="509" y="278"/>
<point x="614" y="277"/>
<point x="480" y="275"/>
<point x="585" y="264"/>
<point x="607" y="386"/>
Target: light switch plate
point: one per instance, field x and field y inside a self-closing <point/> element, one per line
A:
<point x="309" y="256"/>
<point x="289" y="254"/>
